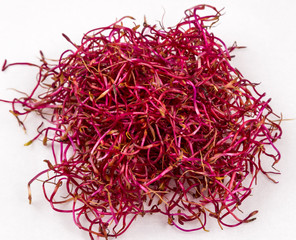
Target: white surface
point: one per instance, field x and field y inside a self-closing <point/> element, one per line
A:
<point x="266" y="27"/>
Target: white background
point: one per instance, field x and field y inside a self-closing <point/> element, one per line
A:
<point x="266" y="27"/>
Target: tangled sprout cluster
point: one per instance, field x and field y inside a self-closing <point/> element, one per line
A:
<point x="150" y="120"/>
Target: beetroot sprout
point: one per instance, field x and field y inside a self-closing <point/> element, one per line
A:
<point x="147" y="119"/>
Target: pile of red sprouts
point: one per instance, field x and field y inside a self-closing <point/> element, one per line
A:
<point x="150" y="120"/>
